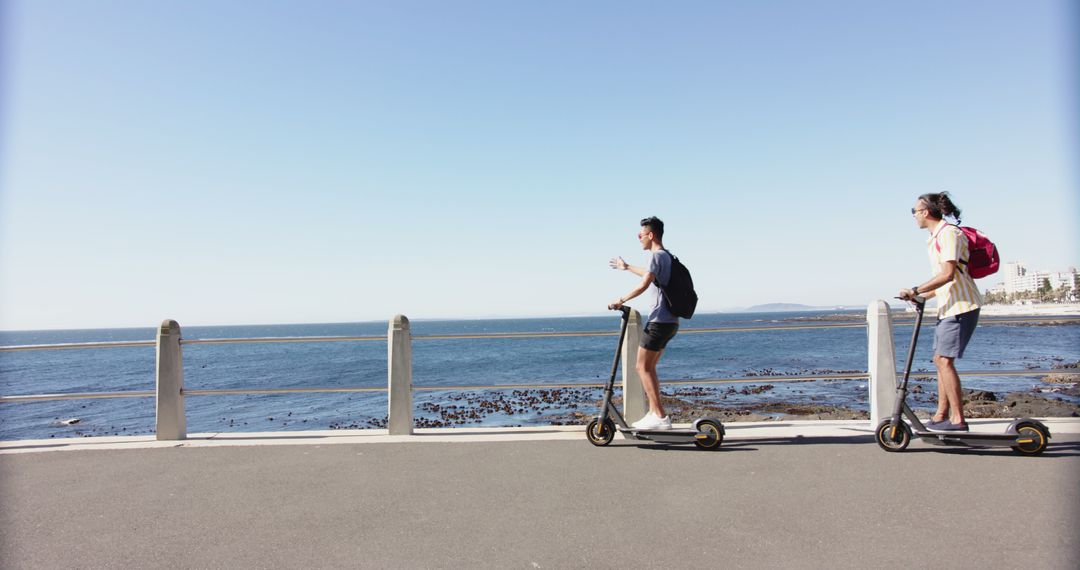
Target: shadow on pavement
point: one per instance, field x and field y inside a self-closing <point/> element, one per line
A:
<point x="38" y="446"/>
<point x="1066" y="449"/>
<point x="685" y="447"/>
<point x="489" y="431"/>
<point x="801" y="440"/>
<point x="750" y="444"/>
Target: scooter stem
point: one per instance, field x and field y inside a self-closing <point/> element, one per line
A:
<point x="920" y="304"/>
<point x="622" y="335"/>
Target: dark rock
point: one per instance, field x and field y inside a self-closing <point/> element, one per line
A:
<point x="979" y="396"/>
<point x="1019" y="404"/>
<point x="1061" y="378"/>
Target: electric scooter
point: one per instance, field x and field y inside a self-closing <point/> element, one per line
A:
<point x="706" y="433"/>
<point x="1025" y="435"/>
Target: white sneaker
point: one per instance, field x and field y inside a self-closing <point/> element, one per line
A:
<point x="652" y="421"/>
<point x="645" y="419"/>
<point x="648" y="420"/>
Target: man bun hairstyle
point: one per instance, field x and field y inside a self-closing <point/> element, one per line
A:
<point x="655" y="225"/>
<point x="941" y="205"/>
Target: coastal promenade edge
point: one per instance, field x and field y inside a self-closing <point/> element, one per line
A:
<point x="735" y="430"/>
<point x="757" y="502"/>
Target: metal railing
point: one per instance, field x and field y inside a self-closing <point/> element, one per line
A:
<point x="761" y="379"/>
<point x="628" y="372"/>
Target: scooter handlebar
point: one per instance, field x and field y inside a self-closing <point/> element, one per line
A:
<point x="918" y="300"/>
<point x="625" y="310"/>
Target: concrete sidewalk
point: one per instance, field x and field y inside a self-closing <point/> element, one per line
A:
<point x="735" y="430"/>
<point x="813" y="501"/>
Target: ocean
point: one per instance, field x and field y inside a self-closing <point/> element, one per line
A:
<point x="560" y="360"/>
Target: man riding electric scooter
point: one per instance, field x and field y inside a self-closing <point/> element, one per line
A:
<point x="958" y="303"/>
<point x="662" y="324"/>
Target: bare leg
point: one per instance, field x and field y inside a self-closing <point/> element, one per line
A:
<point x="949" y="388"/>
<point x="942" y="402"/>
<point x="646" y="369"/>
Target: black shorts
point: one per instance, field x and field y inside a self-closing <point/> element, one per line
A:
<point x="657" y="335"/>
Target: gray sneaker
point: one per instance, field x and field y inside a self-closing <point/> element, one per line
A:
<point x="946" y="425"/>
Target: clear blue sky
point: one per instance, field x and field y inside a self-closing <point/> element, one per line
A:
<point x="271" y="162"/>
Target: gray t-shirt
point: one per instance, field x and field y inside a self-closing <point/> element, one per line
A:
<point x="660" y="267"/>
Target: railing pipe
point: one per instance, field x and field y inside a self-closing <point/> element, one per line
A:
<point x="283" y="339"/>
<point x="77" y="396"/>
<point x="76" y="345"/>
<point x="766" y="379"/>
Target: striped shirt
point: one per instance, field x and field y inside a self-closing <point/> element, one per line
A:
<point x="960" y="295"/>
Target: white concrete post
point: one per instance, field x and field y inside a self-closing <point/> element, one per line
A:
<point x="171" y="421"/>
<point x="882" y="361"/>
<point x="399" y="372"/>
<point x="635" y="404"/>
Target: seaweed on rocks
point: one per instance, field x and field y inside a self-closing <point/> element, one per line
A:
<point x="1020" y="404"/>
<point x="751" y="373"/>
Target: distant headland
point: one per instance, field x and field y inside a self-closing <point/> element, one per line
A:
<point x="794" y="307"/>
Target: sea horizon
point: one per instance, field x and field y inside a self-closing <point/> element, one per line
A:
<point x="1041" y="309"/>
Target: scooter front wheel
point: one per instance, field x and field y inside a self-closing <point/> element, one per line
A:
<point x="600" y="434"/>
<point x="1031" y="439"/>
<point x="891" y="440"/>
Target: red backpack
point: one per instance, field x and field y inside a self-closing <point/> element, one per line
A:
<point x="983" y="256"/>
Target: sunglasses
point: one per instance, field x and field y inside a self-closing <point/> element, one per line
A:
<point x="913" y="210"/>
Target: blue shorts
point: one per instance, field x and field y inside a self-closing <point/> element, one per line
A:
<point x="951" y="335"/>
<point x="656" y="335"/>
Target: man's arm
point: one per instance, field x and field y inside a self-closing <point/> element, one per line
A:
<point x="928" y="289"/>
<point x="639" y="271"/>
<point x="620" y="264"/>
<point x="646" y="280"/>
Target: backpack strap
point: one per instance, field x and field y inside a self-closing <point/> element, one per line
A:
<point x="670" y="269"/>
<point x="961" y="262"/>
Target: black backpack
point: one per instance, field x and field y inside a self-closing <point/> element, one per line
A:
<point x="679" y="290"/>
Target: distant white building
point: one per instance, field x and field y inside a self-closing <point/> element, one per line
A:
<point x="1019" y="279"/>
<point x="1066" y="279"/>
<point x="1016" y="277"/>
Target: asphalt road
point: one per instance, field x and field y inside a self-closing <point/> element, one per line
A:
<point x="829" y="502"/>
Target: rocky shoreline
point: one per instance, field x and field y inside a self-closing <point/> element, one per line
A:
<point x="1057" y="395"/>
<point x="982" y="404"/>
<point x="576" y="406"/>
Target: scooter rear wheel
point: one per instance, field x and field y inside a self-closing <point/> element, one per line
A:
<point x="1035" y="439"/>
<point x="600" y="434"/>
<point x="891" y="442"/>
<point x="714" y="432"/>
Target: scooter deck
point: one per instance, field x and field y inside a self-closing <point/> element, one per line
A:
<point x="968" y="438"/>
<point x="676" y="431"/>
<point x="663" y="435"/>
